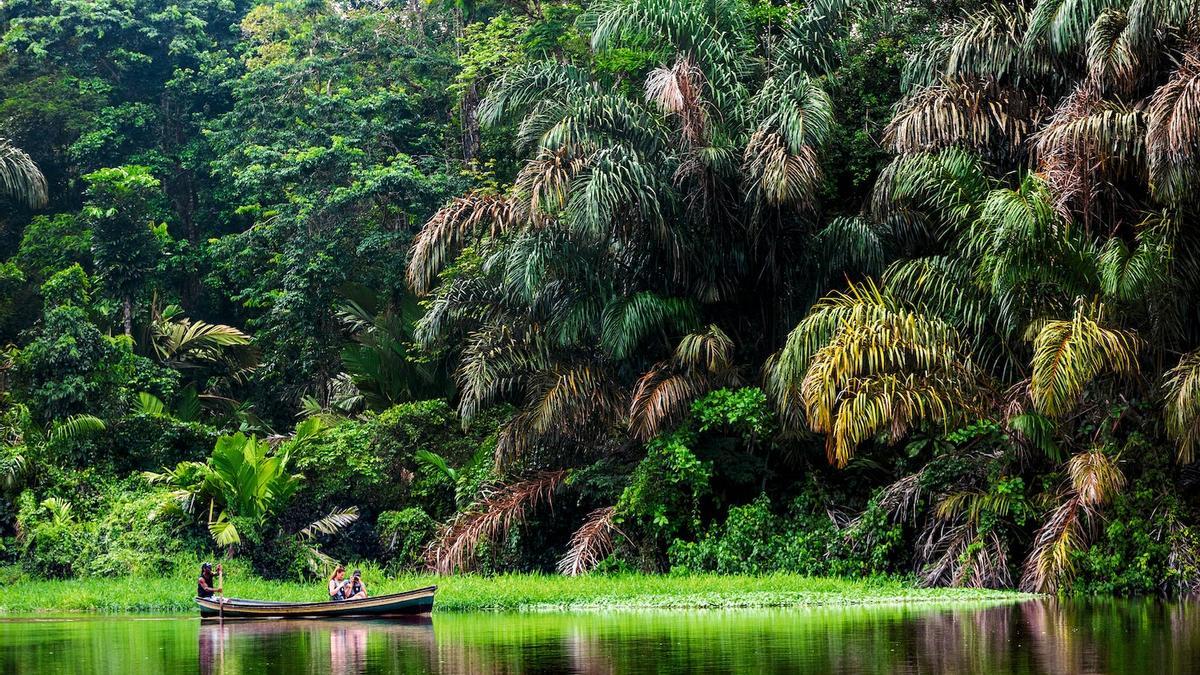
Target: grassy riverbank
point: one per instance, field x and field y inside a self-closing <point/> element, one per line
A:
<point x="506" y="592"/>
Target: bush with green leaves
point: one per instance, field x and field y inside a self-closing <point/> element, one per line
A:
<point x="54" y="543"/>
<point x="663" y="498"/>
<point x="754" y="539"/>
<point x="403" y="536"/>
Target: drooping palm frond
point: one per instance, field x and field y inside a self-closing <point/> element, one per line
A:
<point x="1068" y="355"/>
<point x="851" y="244"/>
<point x="958" y="555"/>
<point x="664" y="394"/>
<point x="564" y="401"/>
<point x="1182" y="409"/>
<point x="1151" y="18"/>
<point x="617" y="192"/>
<point x="1095" y="479"/>
<point x="861" y="363"/>
<point x="12" y="467"/>
<point x="661" y="398"/>
<point x="891" y="403"/>
<point x="333" y="523"/>
<point x="496" y="361"/>
<point x="542" y="185"/>
<point x="590" y="543"/>
<point x="794" y="118"/>
<point x="709" y="349"/>
<point x="465" y="218"/>
<point x="947" y="186"/>
<point x="75" y="427"/>
<point x="1111" y="59"/>
<point x="20" y="178"/>
<point x="1173" y="134"/>
<point x="979" y="115"/>
<point x="500" y="509"/>
<point x="1104" y="136"/>
<point x="678" y="91"/>
<point x="528" y="86"/>
<point x="1134" y="275"/>
<point x="987" y="44"/>
<point x="627" y="321"/>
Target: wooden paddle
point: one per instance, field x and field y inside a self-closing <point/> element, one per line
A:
<point x="221" y="594"/>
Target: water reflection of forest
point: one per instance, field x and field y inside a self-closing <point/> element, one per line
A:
<point x="1038" y="636"/>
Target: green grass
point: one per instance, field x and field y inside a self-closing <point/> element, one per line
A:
<point x="506" y="592"/>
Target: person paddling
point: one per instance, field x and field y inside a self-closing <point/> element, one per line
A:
<point x="204" y="585"/>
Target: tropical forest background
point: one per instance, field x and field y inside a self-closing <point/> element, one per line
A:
<point x="838" y="287"/>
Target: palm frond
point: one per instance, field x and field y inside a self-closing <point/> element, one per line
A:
<point x="61" y="510"/>
<point x="1173" y="134"/>
<point x="149" y="404"/>
<point x="1182" y="408"/>
<point x="979" y="115"/>
<point x="76" y="427"/>
<point x="500" y="509"/>
<point x="661" y="398"/>
<point x="590" y="543"/>
<point x="1068" y="355"/>
<point x="20" y="178"/>
<point x="333" y="523"/>
<point x="477" y="214"/>
<point x="627" y="321"/>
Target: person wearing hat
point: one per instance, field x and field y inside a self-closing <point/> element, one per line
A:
<point x="357" y="590"/>
<point x="204" y="585"/>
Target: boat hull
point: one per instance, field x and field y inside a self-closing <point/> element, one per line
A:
<point x="409" y="603"/>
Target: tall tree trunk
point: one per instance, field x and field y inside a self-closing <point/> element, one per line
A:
<point x="470" y="122"/>
<point x="127" y="305"/>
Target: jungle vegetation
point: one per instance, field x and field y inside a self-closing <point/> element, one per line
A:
<point x="828" y="287"/>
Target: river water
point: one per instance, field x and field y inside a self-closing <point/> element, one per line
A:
<point x="1037" y="636"/>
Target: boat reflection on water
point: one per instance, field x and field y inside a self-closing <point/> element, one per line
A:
<point x="297" y="646"/>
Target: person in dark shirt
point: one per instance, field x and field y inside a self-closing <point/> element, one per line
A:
<point x="204" y="585"/>
<point x="358" y="590"/>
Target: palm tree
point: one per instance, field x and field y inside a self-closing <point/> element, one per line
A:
<point x="250" y="482"/>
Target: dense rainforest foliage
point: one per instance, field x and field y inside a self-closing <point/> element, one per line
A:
<point x="833" y="287"/>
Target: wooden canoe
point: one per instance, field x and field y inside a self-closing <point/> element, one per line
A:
<point x="419" y="601"/>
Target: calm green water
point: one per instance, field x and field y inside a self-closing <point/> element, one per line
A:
<point x="1030" y="637"/>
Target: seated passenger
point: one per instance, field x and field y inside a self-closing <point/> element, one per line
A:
<point x="358" y="590"/>
<point x="339" y="587"/>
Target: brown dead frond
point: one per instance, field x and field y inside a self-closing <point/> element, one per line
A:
<point x="590" y="543"/>
<point x="543" y="183"/>
<point x="678" y="91"/>
<point x="490" y="518"/>
<point x="464" y="218"/>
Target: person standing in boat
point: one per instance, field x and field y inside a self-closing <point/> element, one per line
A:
<point x="339" y="586"/>
<point x="204" y="584"/>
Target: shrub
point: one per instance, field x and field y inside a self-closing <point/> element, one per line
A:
<point x="403" y="536"/>
<point x="755" y="540"/>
